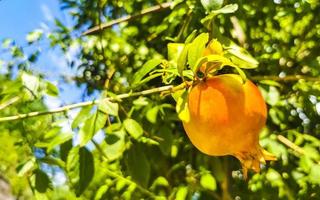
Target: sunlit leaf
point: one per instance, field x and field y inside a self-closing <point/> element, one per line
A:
<point x="145" y="69"/>
<point x="182" y="59"/>
<point x="81" y="117"/>
<point x="211" y="4"/>
<point x="133" y="128"/>
<point x="207" y="181"/>
<point x="182" y="193"/>
<point x="31" y="82"/>
<point x="51" y="89"/>
<point x="34" y="36"/>
<point x="108" y="107"/>
<point x="182" y="105"/>
<point x="26" y="167"/>
<point x="196" y="48"/>
<point x="61" y="138"/>
<point x="174" y="51"/>
<point x="152" y="113"/>
<point x="91" y="126"/>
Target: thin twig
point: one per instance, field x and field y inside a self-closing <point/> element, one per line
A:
<point x="152" y="9"/>
<point x="9" y="102"/>
<point x="286" y="78"/>
<point x="290" y="144"/>
<point x="88" y="103"/>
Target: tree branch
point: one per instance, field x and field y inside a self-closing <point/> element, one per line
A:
<point x="169" y="88"/>
<point x="152" y="9"/>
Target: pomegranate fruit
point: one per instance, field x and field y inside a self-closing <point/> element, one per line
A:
<point x="226" y="117"/>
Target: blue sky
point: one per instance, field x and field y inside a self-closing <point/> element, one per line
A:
<point x="18" y="18"/>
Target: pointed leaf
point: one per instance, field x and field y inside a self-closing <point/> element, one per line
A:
<point x="145" y="69"/>
<point x="182" y="59"/>
<point x="59" y="139"/>
<point x="241" y="57"/>
<point x="91" y="126"/>
<point x="51" y="89"/>
<point x="230" y="8"/>
<point x="80" y="169"/>
<point x="42" y="181"/>
<point x="82" y="115"/>
<point x="196" y="48"/>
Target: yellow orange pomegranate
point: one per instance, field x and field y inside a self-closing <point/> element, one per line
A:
<point x="226" y="117"/>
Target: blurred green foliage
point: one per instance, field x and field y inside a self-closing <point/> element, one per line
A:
<point x="144" y="153"/>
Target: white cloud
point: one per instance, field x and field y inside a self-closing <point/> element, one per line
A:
<point x="46" y="12"/>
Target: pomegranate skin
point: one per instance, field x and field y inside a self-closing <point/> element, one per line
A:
<point x="226" y="117"/>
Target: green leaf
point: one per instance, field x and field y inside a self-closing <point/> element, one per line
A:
<point x="211" y="4"/>
<point x="59" y="139"/>
<point x="91" y="126"/>
<point x="167" y="139"/>
<point x="196" y="48"/>
<point x="141" y="101"/>
<point x="315" y="174"/>
<point x="223" y="61"/>
<point x="174" y="51"/>
<point x="31" y="82"/>
<point x="108" y="107"/>
<point x="133" y="128"/>
<point x="34" y="36"/>
<point x="82" y="115"/>
<point x="26" y="167"/>
<point x="160" y="181"/>
<point x="148" y="141"/>
<point x="80" y="168"/>
<point x="144" y="70"/>
<point x="51" y="89"/>
<point x="100" y="192"/>
<point x="65" y="149"/>
<point x="241" y="57"/>
<point x="182" y="59"/>
<point x="191" y="36"/>
<point x="149" y="78"/>
<point x="182" y="193"/>
<point x="115" y="144"/>
<point x="230" y="8"/>
<point x="182" y="105"/>
<point x="152" y="114"/>
<point x="42" y="181"/>
<point x="208" y="182"/>
<point x="138" y="165"/>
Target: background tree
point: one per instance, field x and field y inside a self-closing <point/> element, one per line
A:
<point x="144" y="152"/>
